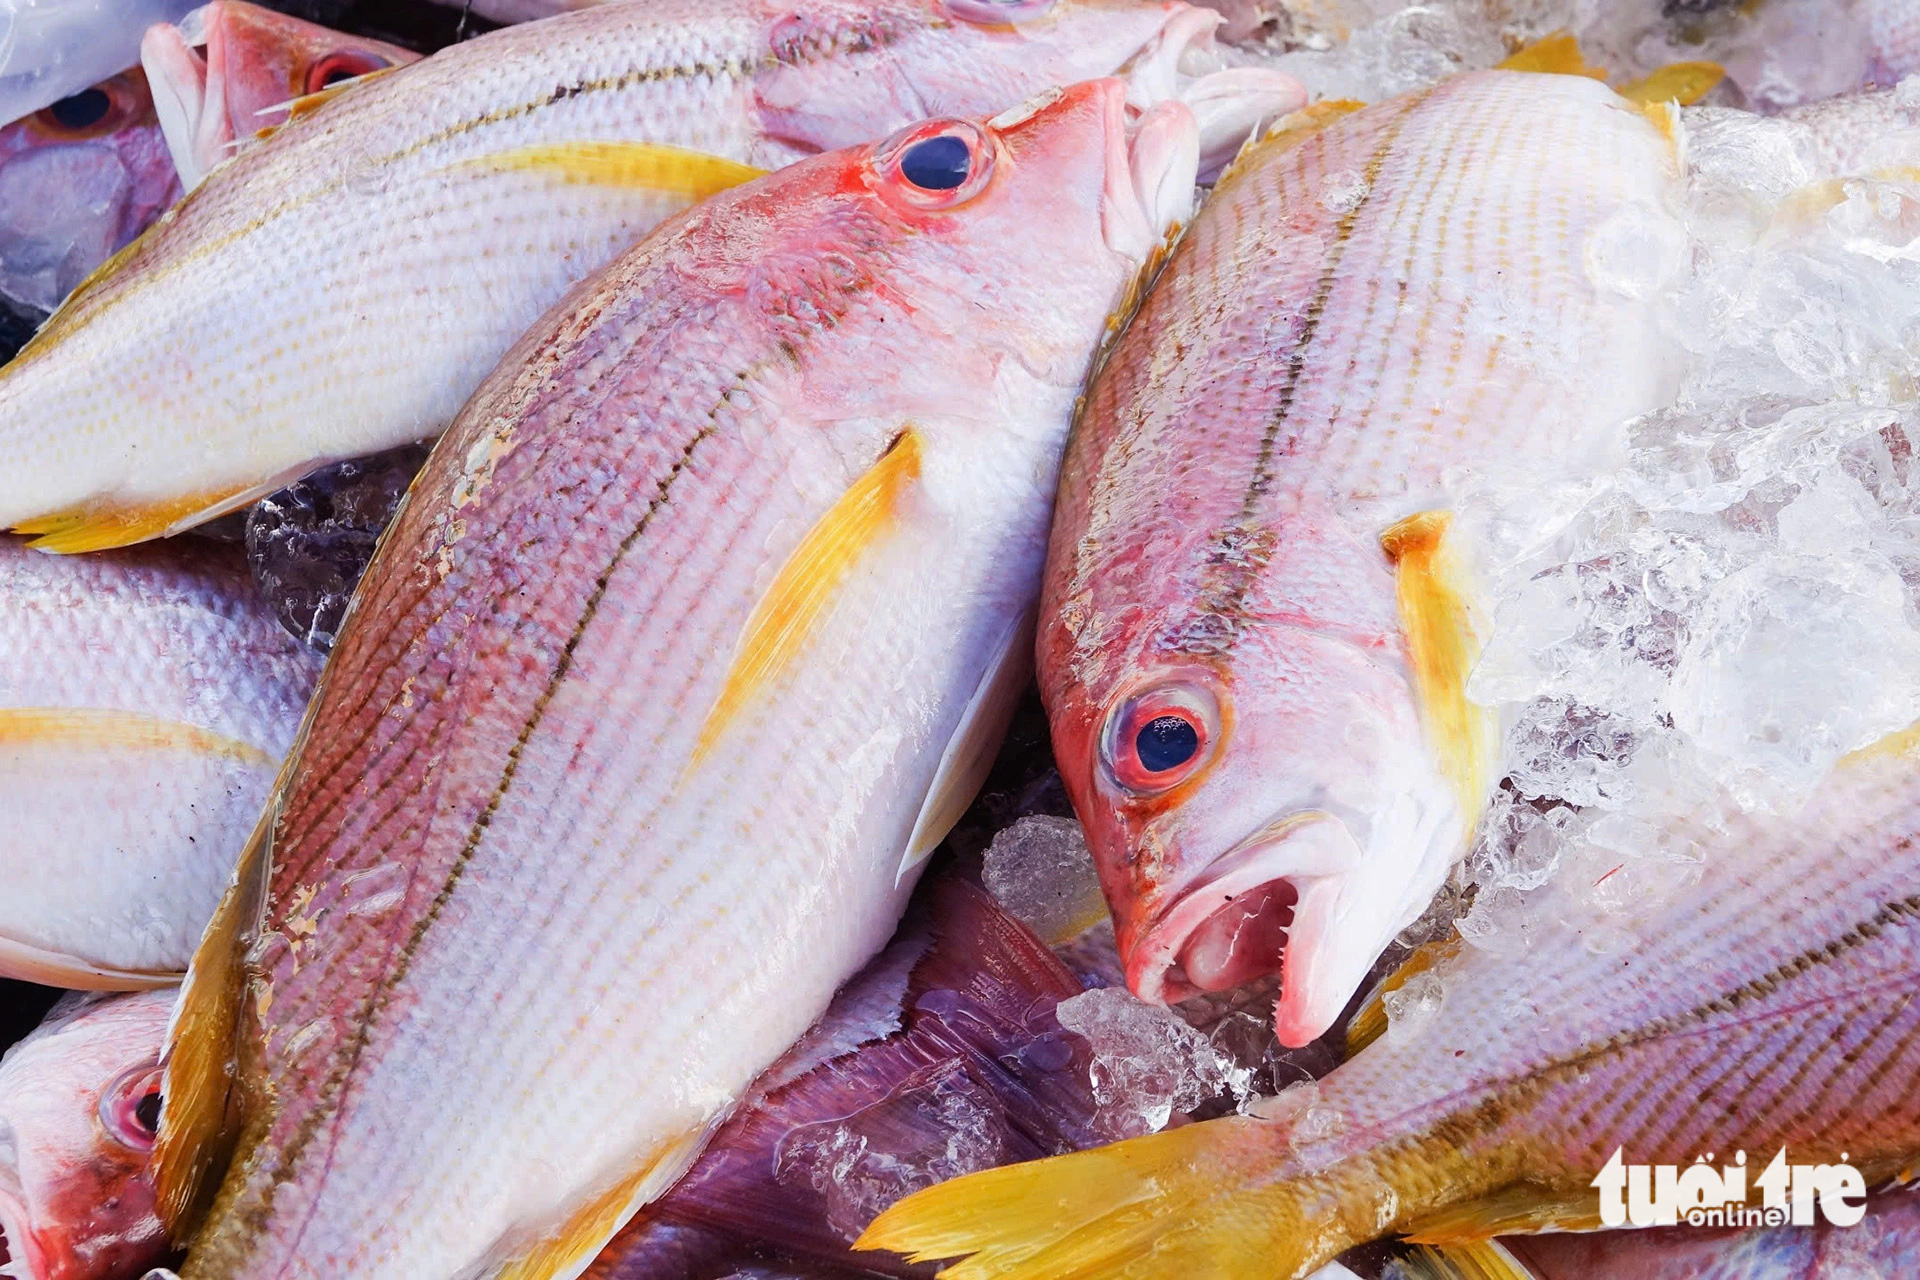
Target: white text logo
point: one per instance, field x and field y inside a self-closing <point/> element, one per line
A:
<point x="1661" y="1195"/>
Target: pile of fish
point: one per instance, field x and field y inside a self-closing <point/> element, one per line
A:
<point x="1006" y="638"/>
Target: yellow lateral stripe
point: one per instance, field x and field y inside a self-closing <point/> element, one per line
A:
<point x="101" y="526"/>
<point x="1557" y="54"/>
<point x="88" y="726"/>
<point x="652" y="166"/>
<point x="1436" y="619"/>
<point x="786" y="615"/>
<point x="1682" y="82"/>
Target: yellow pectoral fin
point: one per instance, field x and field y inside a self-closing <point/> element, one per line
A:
<point x="808" y="582"/>
<point x="566" y="1252"/>
<point x="1557" y="54"/>
<point x="648" y="166"/>
<point x="1682" y="82"/>
<point x="1370" y="1022"/>
<point x="975" y="743"/>
<point x="1437" y="619"/>
<point x="89" y="726"/>
<point x="198" y="1128"/>
<point x="101" y="526"/>
<point x="1517" y="1208"/>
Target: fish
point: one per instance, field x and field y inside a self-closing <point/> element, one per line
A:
<point x="256" y="64"/>
<point x="512" y="11"/>
<point x="1256" y="630"/>
<point x="1765" y="1004"/>
<point x="146" y="701"/>
<point x="79" y="1097"/>
<point x="535" y="154"/>
<point x="54" y="49"/>
<point x="79" y="179"/>
<point x="688" y="644"/>
<point x="941" y="1055"/>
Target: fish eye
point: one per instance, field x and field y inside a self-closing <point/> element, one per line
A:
<point x="82" y="110"/>
<point x="996" y="13"/>
<point x="344" y="65"/>
<point x="130" y="1107"/>
<point x="97" y="111"/>
<point x="1160" y="737"/>
<point x="937" y="165"/>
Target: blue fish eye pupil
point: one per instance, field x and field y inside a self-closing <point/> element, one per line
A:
<point x="1166" y="742"/>
<point x="87" y="107"/>
<point x="937" y="164"/>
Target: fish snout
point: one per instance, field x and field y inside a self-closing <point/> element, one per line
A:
<point x="1258" y="909"/>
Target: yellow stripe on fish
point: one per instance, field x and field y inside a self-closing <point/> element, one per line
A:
<point x="93" y="727"/>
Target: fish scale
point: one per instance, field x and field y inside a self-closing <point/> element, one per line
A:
<point x="435" y="211"/>
<point x="1366" y="304"/>
<point x="627" y="875"/>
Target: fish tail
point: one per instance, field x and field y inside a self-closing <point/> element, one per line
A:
<point x="1199" y="1200"/>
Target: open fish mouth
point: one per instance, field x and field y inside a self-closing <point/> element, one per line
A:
<point x="1262" y="908"/>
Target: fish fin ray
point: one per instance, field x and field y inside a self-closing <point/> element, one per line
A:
<point x="565" y="1253"/>
<point x="28" y="963"/>
<point x="1476" y="1260"/>
<point x="104" y="525"/>
<point x="1436" y="616"/>
<point x="804" y="588"/>
<point x="671" y="170"/>
<point x="1556" y="54"/>
<point x="976" y="741"/>
<point x="198" y="1127"/>
<point x="1682" y="82"/>
<point x="1516" y="1207"/>
<point x="1166" y="1204"/>
<point x="1369" y="1022"/>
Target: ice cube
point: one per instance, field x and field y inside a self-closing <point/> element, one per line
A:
<point x="1148" y="1063"/>
<point x="1040" y="870"/>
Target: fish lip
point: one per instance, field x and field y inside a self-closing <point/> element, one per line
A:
<point x="177" y="80"/>
<point x="1271" y="855"/>
<point x="23" y="1253"/>
<point x="1152" y="74"/>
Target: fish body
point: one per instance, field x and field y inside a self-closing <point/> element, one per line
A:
<point x="695" y="633"/>
<point x="1255" y="631"/>
<point x="231" y="69"/>
<point x="78" y="1101"/>
<point x="342" y="287"/>
<point x="1768" y="1004"/>
<point x="79" y="179"/>
<point x="146" y="700"/>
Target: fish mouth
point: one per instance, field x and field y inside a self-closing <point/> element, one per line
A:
<point x="1262" y="908"/>
<point x="177" y="73"/>
<point x="1183" y="63"/>
<point x="1152" y="160"/>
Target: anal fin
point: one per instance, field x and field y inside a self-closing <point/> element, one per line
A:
<point x="102" y="525"/>
<point x="976" y="740"/>
<point x="568" y="1250"/>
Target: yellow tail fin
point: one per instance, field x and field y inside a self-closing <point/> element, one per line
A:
<point x="1483" y="1260"/>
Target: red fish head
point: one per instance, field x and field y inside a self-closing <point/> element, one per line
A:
<point x="1256" y="789"/>
<point x="79" y="1103"/>
<point x="229" y="69"/>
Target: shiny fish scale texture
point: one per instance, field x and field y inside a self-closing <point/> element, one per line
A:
<point x="508" y="874"/>
<point x="119" y="849"/>
<point x="344" y="286"/>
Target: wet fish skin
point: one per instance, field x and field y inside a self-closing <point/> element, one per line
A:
<point x="1780" y="985"/>
<point x="78" y="180"/>
<point x="1340" y="325"/>
<point x="521" y="802"/>
<point x="255" y="62"/>
<point x="384" y="331"/>
<point x="76" y="1183"/>
<point x="146" y="700"/>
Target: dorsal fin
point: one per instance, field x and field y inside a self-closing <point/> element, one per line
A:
<point x="1557" y="54"/>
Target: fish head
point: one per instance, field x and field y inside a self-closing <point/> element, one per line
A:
<point x="975" y="57"/>
<point x="1259" y="800"/>
<point x="79" y="1101"/>
<point x="79" y="179"/>
<point x="230" y="69"/>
